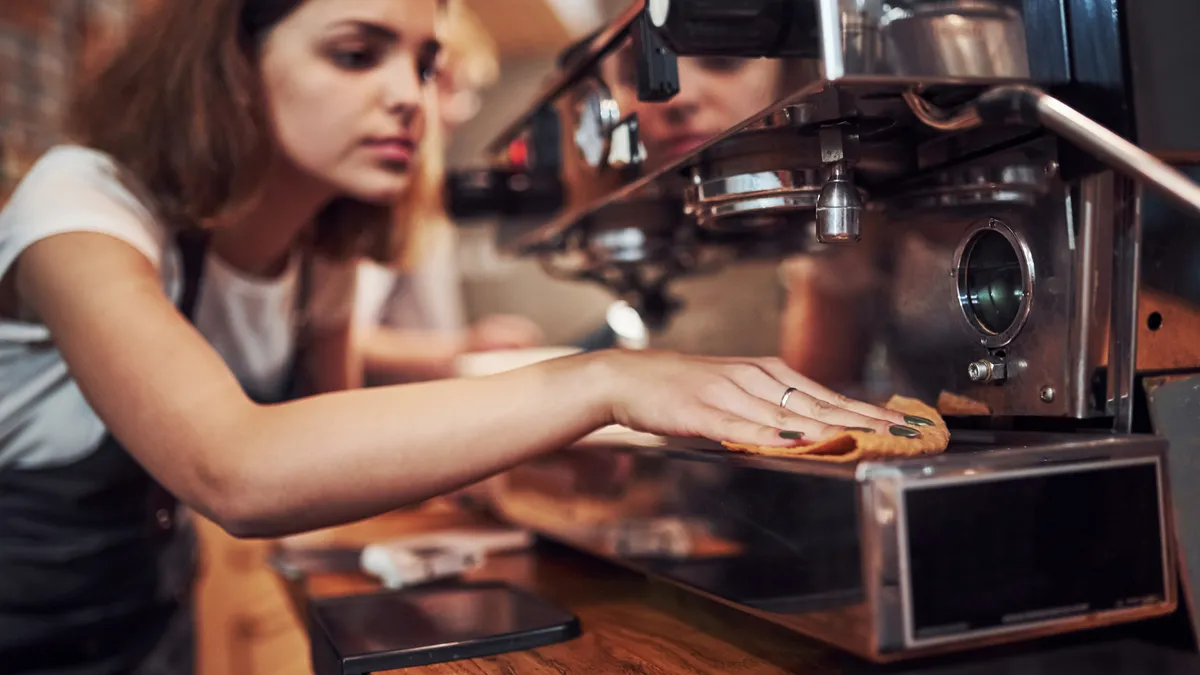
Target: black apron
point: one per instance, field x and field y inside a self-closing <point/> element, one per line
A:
<point x="97" y="561"/>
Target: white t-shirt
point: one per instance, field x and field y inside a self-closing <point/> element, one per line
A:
<point x="44" y="419"/>
<point x="427" y="299"/>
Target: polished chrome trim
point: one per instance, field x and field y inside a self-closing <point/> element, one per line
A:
<point x="757" y="183"/>
<point x="709" y="215"/>
<point x="830" y="17"/>
<point x="990" y="339"/>
<point x="1127" y="263"/>
<point x="1092" y="215"/>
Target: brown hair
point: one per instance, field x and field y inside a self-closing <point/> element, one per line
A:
<point x="181" y="110"/>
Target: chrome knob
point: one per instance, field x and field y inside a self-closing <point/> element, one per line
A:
<point x="980" y="371"/>
<point x="839" y="208"/>
<point x="991" y="369"/>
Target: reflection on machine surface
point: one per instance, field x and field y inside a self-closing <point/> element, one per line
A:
<point x="1005" y="533"/>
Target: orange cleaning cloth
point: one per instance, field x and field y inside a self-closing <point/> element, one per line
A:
<point x="852" y="446"/>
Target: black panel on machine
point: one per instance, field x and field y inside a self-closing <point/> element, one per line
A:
<point x="1099" y="83"/>
<point x="1171" y="244"/>
<point x="747" y="28"/>
<point x="1041" y="531"/>
<point x="1164" y="53"/>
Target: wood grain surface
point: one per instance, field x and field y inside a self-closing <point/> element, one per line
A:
<point x="630" y="624"/>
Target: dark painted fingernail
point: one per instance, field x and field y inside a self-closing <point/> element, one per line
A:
<point x="918" y="421"/>
<point x="791" y="435"/>
<point x="865" y="430"/>
<point x="906" y="432"/>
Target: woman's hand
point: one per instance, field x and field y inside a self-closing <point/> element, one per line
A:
<point x="735" y="400"/>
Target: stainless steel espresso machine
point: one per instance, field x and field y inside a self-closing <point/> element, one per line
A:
<point x="1013" y="175"/>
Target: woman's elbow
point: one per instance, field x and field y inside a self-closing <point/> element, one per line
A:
<point x="247" y="525"/>
<point x="245" y="518"/>
<point x="230" y="494"/>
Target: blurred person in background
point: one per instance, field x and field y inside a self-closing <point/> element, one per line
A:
<point x="228" y="168"/>
<point x="410" y="320"/>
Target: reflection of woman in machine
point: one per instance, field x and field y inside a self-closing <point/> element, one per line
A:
<point x="236" y="158"/>
<point x="714" y="94"/>
<point x="821" y="332"/>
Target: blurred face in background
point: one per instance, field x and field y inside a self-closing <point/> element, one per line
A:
<point x="458" y="100"/>
<point x="471" y="64"/>
<point x="715" y="94"/>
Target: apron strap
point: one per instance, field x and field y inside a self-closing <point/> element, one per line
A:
<point x="193" y="248"/>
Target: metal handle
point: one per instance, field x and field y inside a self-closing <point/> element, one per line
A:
<point x="1120" y="153"/>
<point x="1031" y="104"/>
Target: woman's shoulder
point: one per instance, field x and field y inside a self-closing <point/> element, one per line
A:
<point x="77" y="189"/>
<point x="67" y="162"/>
<point x="78" y="176"/>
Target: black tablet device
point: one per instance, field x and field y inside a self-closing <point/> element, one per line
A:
<point x="387" y="630"/>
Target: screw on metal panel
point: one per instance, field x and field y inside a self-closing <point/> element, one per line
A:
<point x="1048" y="394"/>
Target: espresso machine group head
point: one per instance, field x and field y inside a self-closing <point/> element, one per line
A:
<point x="1005" y="166"/>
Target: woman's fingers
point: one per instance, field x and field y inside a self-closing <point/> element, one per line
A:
<point x="722" y="425"/>
<point x="766" y="388"/>
<point x="736" y="400"/>
<point x="790" y="378"/>
<point x="741" y="401"/>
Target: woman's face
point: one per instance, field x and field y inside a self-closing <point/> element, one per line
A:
<point x="348" y="85"/>
<point x="715" y="94"/>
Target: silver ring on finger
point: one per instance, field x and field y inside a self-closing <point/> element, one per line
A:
<point x="786" y="395"/>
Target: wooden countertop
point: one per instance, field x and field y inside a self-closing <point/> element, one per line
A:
<point x="630" y="623"/>
<point x="634" y="625"/>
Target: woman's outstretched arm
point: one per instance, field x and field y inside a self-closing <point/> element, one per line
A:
<point x="270" y="470"/>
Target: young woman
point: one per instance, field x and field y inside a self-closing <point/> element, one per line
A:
<point x="158" y="281"/>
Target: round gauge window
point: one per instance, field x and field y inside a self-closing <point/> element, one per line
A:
<point x="995" y="282"/>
